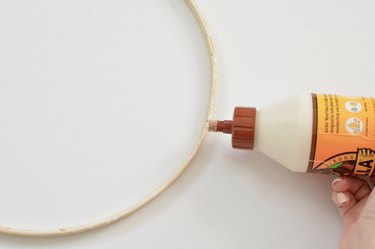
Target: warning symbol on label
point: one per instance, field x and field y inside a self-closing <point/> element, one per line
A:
<point x="354" y="126"/>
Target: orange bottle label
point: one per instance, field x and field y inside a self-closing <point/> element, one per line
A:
<point x="343" y="138"/>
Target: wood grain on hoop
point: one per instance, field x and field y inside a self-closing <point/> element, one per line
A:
<point x="137" y="206"/>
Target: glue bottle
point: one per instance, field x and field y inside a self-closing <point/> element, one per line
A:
<point x="317" y="133"/>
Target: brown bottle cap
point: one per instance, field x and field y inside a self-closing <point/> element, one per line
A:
<point x="242" y="127"/>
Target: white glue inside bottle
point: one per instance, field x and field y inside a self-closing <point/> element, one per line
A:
<point x="317" y="133"/>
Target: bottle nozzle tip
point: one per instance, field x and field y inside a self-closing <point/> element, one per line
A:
<point x="212" y="125"/>
<point x="220" y="126"/>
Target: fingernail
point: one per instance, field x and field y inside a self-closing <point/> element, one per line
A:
<point x="341" y="198"/>
<point x="338" y="179"/>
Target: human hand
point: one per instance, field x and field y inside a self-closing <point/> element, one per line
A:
<point x="355" y="201"/>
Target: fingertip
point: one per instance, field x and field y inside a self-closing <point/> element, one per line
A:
<point x="340" y="199"/>
<point x="337" y="180"/>
<point x="342" y="183"/>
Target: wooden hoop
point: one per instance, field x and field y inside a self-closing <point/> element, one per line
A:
<point x="143" y="202"/>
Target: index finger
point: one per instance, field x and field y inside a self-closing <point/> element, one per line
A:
<point x="358" y="187"/>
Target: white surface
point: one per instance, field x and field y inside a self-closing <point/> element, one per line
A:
<point x="92" y="104"/>
<point x="267" y="50"/>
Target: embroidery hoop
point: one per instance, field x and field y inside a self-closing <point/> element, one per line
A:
<point x="164" y="186"/>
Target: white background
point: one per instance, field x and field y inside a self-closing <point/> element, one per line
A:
<point x="101" y="100"/>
